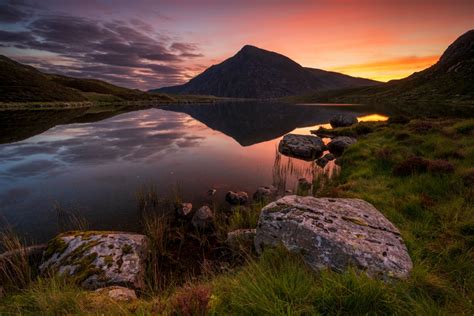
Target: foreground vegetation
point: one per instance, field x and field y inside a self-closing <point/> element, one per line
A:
<point x="419" y="174"/>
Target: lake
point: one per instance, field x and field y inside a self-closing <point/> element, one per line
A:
<point x="92" y="164"/>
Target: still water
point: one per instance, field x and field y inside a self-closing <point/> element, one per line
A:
<point x="93" y="163"/>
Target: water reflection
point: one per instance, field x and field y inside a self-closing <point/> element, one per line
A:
<point x="95" y="162"/>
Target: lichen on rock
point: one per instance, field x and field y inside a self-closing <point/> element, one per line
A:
<point x="335" y="233"/>
<point x="97" y="259"/>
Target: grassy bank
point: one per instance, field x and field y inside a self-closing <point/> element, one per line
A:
<point x="419" y="174"/>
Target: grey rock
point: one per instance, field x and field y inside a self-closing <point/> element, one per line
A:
<point x="307" y="147"/>
<point x="203" y="218"/>
<point x="343" y="120"/>
<point x="236" y="198"/>
<point x="184" y="209"/>
<point x="265" y="193"/>
<point x="335" y="233"/>
<point x="241" y="238"/>
<point x="118" y="293"/>
<point x="339" y="144"/>
<point x="98" y="259"/>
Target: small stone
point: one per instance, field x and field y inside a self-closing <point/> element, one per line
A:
<point x="118" y="293"/>
<point x="339" y="144"/>
<point x="304" y="184"/>
<point x="236" y="198"/>
<point x="211" y="192"/>
<point x="184" y="209"/>
<point x="240" y="237"/>
<point x="343" y="120"/>
<point x="203" y="218"/>
<point x="306" y="147"/>
<point x="322" y="162"/>
<point x="265" y="193"/>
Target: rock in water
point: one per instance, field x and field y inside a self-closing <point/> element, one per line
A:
<point x="97" y="259"/>
<point x="203" y="218"/>
<point x="339" y="144"/>
<point x="307" y="147"/>
<point x="184" y="209"/>
<point x="236" y="198"/>
<point x="335" y="233"/>
<point x="265" y="193"/>
<point x="118" y="293"/>
<point x="343" y="120"/>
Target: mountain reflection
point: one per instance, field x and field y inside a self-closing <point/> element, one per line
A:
<point x="255" y="122"/>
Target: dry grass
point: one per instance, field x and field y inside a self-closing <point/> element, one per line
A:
<point x="15" y="269"/>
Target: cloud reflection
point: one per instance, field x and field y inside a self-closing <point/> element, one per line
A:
<point x="131" y="137"/>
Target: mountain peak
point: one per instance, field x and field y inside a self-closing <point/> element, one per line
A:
<point x="460" y="50"/>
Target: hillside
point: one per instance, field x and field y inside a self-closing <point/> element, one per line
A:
<point x="258" y="73"/>
<point x="450" y="80"/>
<point x="22" y="83"/>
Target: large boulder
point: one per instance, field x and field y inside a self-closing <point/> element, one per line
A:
<point x="236" y="198"/>
<point x="343" y="120"/>
<point x="307" y="147"/>
<point x="335" y="233"/>
<point x="96" y="259"/>
<point x="339" y="144"/>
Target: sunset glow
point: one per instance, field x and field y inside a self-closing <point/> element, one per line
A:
<point x="148" y="44"/>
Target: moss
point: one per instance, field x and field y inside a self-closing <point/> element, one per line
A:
<point x="56" y="245"/>
<point x="127" y="249"/>
<point x="108" y="260"/>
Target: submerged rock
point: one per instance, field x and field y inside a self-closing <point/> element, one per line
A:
<point x="184" y="209"/>
<point x="118" y="293"/>
<point x="203" y="218"/>
<point x="339" y="144"/>
<point x="335" y="233"/>
<point x="343" y="120"/>
<point x="236" y="198"/>
<point x="307" y="147"/>
<point x="265" y="193"/>
<point x="96" y="259"/>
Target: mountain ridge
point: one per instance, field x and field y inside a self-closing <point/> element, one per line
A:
<point x="257" y="73"/>
<point x="451" y="80"/>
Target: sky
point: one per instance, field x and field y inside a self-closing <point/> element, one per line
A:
<point x="153" y="43"/>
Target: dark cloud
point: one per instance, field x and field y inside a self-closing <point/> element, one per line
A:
<point x="124" y="53"/>
<point x="11" y="14"/>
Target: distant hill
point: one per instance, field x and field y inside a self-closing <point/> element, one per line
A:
<point x="22" y="83"/>
<point x="450" y="80"/>
<point x="258" y="73"/>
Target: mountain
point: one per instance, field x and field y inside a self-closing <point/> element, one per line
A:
<point x="258" y="73"/>
<point x="450" y="80"/>
<point x="22" y="83"/>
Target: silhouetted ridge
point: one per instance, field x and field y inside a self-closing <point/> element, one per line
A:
<point x="257" y="73"/>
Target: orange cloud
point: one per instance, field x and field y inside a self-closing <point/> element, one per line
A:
<point x="385" y="70"/>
